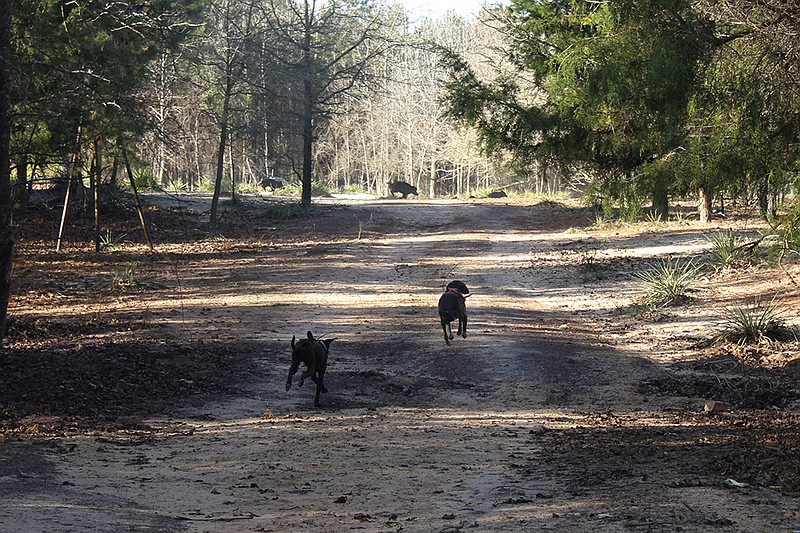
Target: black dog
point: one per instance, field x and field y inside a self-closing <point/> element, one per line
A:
<point x="452" y="305"/>
<point x="313" y="354"/>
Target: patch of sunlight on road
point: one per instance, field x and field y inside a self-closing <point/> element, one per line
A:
<point x="398" y="418"/>
<point x="658" y="251"/>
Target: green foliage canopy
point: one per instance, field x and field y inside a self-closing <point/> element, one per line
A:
<point x="80" y="64"/>
<point x="602" y="86"/>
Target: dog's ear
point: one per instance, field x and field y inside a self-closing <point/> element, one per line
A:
<point x="292" y="342"/>
<point x="310" y="336"/>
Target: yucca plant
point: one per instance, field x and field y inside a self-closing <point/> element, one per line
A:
<point x="667" y="282"/>
<point x="754" y="324"/>
<point x="126" y="280"/>
<point x="726" y="249"/>
<point x="653" y="218"/>
<point x="110" y="242"/>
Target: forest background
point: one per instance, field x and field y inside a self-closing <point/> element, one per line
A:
<point x="620" y="101"/>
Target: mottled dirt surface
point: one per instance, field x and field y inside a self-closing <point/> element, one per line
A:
<point x="144" y="392"/>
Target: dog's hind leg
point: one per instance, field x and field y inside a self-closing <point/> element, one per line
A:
<point x="444" y="328"/>
<point x="320" y="388"/>
<point x="307" y="373"/>
<point x="317" y="381"/>
<point x="462" y="327"/>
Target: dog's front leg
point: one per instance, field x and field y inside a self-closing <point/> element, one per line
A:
<point x="292" y="372"/>
<point x="462" y="326"/>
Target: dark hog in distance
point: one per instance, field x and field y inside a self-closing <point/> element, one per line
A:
<point x="452" y="306"/>
<point x="313" y="354"/>
<point x="403" y="188"/>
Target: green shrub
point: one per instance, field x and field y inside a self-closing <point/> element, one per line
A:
<point x="630" y="208"/>
<point x="295" y="188"/>
<point x="354" y="188"/>
<point x="754" y="324"/>
<point x="206" y="185"/>
<point x="787" y="234"/>
<point x="145" y="181"/>
<point x="249" y="187"/>
<point x="667" y="282"/>
<point x="284" y="210"/>
<point x="481" y="192"/>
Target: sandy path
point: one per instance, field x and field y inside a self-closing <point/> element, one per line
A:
<point x="414" y="435"/>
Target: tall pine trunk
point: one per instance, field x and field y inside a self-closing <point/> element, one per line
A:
<point x="660" y="201"/>
<point x="6" y="241"/>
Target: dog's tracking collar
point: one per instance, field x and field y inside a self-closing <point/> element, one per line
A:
<point x="458" y="292"/>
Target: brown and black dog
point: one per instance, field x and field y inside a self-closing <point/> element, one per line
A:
<point x="314" y="354"/>
<point x="452" y="305"/>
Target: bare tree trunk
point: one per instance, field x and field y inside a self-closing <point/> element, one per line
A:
<point x="308" y="163"/>
<point x="432" y="187"/>
<point x="21" y="186"/>
<point x="232" y="170"/>
<point x="221" y="153"/>
<point x="136" y="200"/>
<point x="70" y="180"/>
<point x="365" y="163"/>
<point x="767" y="201"/>
<point x="196" y="139"/>
<point x="6" y="241"/>
<point x="97" y="172"/>
<point x="704" y="205"/>
<point x="231" y="73"/>
<point x="410" y="169"/>
<point x="308" y="111"/>
<point x="112" y="180"/>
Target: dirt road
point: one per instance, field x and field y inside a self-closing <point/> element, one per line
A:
<point x="552" y="415"/>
